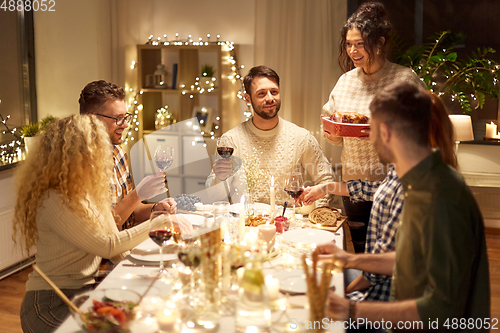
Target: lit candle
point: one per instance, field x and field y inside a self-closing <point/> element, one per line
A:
<point x="239" y="273"/>
<point x="166" y="321"/>
<point x="272" y="197"/>
<point x="267" y="232"/>
<point x="273" y="288"/>
<point x="241" y="224"/>
<point x="226" y="264"/>
<point x="250" y="239"/>
<point x="491" y="130"/>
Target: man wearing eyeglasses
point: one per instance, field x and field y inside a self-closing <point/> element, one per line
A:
<point x="107" y="101"/>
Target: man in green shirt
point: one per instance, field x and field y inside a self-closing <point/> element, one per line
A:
<point x="440" y="266"/>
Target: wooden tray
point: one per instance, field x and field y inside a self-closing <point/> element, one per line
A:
<point x="332" y="229"/>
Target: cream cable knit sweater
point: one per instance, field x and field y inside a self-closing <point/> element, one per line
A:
<point x="69" y="249"/>
<point x="353" y="93"/>
<point x="275" y="152"/>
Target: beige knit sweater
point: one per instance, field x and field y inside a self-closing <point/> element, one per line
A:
<point x="276" y="153"/>
<point x="353" y="93"/>
<point x="69" y="249"/>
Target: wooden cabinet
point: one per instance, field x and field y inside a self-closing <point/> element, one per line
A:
<point x="184" y="89"/>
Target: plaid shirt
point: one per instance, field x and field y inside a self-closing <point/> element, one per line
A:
<point x="388" y="201"/>
<point x="121" y="184"/>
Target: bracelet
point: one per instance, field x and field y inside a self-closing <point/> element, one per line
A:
<point x="153" y="207"/>
<point x="352" y="310"/>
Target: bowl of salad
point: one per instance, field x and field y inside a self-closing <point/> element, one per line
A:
<point x="106" y="310"/>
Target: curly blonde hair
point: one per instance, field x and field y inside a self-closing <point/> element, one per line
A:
<point x="73" y="156"/>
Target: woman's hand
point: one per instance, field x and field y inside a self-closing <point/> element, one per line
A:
<point x="169" y="205"/>
<point x="331" y="136"/>
<point x="312" y="194"/>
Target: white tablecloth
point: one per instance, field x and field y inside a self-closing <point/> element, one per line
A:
<point x="136" y="278"/>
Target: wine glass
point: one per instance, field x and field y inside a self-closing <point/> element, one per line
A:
<point x="164" y="157"/>
<point x="225" y="150"/>
<point x="294" y="186"/>
<point x="189" y="253"/>
<point x="161" y="230"/>
<point x="224" y="147"/>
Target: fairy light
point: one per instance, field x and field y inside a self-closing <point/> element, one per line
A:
<point x="195" y="88"/>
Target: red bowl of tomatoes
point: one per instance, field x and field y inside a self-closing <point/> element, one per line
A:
<point x="106" y="310"/>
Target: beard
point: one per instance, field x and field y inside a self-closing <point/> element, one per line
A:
<point x="385" y="155"/>
<point x="263" y="114"/>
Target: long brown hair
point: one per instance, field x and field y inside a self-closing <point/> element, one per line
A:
<point x="371" y="21"/>
<point x="441" y="132"/>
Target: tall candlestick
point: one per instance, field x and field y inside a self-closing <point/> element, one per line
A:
<point x="273" y="287"/>
<point x="491" y="130"/>
<point x="272" y="197"/>
<point x="241" y="223"/>
<point x="226" y="265"/>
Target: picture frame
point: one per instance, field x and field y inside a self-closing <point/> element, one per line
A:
<point x="205" y="117"/>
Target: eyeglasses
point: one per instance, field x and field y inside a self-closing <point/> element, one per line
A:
<point x="119" y="120"/>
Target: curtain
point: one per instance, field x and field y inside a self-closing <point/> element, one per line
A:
<point x="299" y="40"/>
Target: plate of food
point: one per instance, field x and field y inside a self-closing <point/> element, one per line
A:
<point x="108" y="310"/>
<point x="348" y="124"/>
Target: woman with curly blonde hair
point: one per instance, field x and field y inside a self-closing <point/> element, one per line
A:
<point x="63" y="208"/>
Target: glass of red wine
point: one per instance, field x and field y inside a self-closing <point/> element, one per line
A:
<point x="294" y="186"/>
<point x="161" y="230"/>
<point x="224" y="147"/>
<point x="225" y="150"/>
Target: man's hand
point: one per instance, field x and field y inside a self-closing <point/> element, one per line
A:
<point x="331" y="251"/>
<point x="312" y="194"/>
<point x="169" y="205"/>
<point x="151" y="186"/>
<point x="337" y="307"/>
<point x="222" y="168"/>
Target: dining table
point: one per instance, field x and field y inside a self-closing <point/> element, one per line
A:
<point x="291" y="314"/>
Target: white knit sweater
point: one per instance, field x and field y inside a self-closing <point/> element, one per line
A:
<point x="353" y="93"/>
<point x="276" y="152"/>
<point x="69" y="249"/>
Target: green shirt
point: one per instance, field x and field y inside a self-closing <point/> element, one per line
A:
<point x="441" y="258"/>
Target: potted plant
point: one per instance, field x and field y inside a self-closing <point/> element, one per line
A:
<point x="468" y="80"/>
<point x="207" y="77"/>
<point x="30" y="131"/>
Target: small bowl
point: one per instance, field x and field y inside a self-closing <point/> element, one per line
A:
<point x="305" y="210"/>
<point x="84" y="301"/>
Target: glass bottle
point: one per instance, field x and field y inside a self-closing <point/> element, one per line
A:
<point x="253" y="311"/>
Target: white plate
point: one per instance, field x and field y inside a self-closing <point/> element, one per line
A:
<point x="194" y="219"/>
<point x="257" y="207"/>
<point x="294" y="280"/>
<point x="149" y="251"/>
<point x="308" y="236"/>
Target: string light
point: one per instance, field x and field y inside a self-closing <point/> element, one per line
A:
<point x="10" y="152"/>
<point x="134" y="106"/>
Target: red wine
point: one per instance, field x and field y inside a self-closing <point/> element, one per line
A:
<point x="225" y="152"/>
<point x="294" y="192"/>
<point x="160" y="237"/>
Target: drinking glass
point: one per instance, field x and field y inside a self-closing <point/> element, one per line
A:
<point x="164" y="157"/>
<point x="161" y="230"/>
<point x="224" y="147"/>
<point x="225" y="150"/>
<point x="189" y="253"/>
<point x="294" y="186"/>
